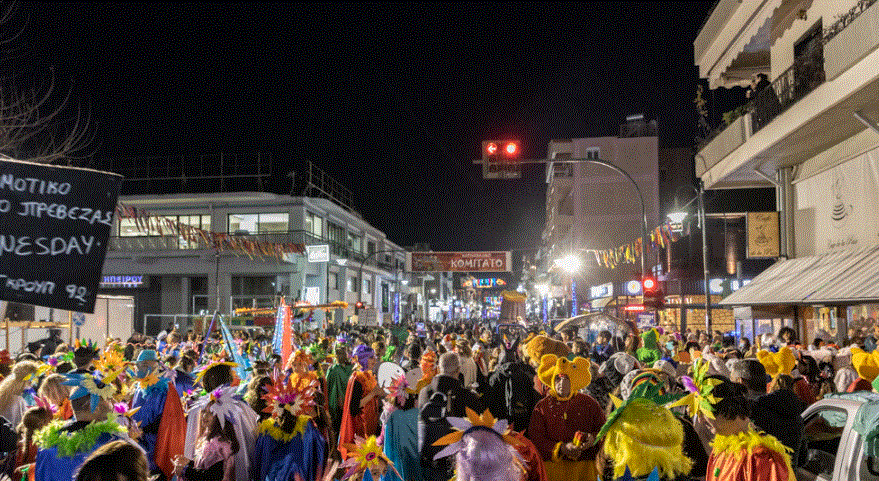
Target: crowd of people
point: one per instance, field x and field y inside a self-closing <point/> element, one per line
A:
<point x="454" y="400"/>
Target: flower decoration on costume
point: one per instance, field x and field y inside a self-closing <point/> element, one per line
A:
<point x="41" y="370"/>
<point x="700" y="399"/>
<point x="454" y="441"/>
<point x="294" y="394"/>
<point x="222" y="404"/>
<point x="88" y="385"/>
<point x="44" y="403"/>
<point x="110" y="360"/>
<point x="365" y="454"/>
<point x="399" y="390"/>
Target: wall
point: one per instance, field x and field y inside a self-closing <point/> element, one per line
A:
<point x="782" y="52"/>
<point x="845" y="206"/>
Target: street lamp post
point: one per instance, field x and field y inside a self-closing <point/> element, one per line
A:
<point x="360" y="270"/>
<point x="677" y="217"/>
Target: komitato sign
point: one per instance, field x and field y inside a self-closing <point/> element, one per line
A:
<point x="56" y="222"/>
<point x="487" y="261"/>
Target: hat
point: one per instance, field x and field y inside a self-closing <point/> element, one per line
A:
<point x="147" y="355"/>
<point x="294" y="394"/>
<point x="781" y="362"/>
<point x="577" y="371"/>
<point x="866" y="363"/>
<point x="538" y="346"/>
<point x="363" y="353"/>
<point x="666" y="367"/>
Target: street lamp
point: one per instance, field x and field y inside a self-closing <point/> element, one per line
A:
<point x="570" y="263"/>
<point x="677" y="216"/>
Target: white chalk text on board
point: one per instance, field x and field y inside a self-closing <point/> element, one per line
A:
<point x="56" y="222"/>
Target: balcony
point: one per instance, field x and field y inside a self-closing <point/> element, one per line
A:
<point x="806" y="110"/>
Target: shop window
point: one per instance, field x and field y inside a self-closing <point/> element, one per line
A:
<point x="262" y="223"/>
<point x="351" y="284"/>
<point x="822" y="432"/>
<point x="333" y="281"/>
<point x="367" y="286"/>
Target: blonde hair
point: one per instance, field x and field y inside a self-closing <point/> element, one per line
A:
<point x="13" y="385"/>
<point x="54" y="390"/>
<point x="644" y="437"/>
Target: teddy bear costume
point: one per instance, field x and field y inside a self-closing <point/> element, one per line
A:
<point x="557" y="421"/>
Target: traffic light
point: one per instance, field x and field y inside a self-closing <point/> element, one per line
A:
<point x="357" y="307"/>
<point x="652" y="292"/>
<point x="500" y="159"/>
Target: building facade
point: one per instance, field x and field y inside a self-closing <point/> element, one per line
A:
<point x="176" y="275"/>
<point x="591" y="206"/>
<point x="810" y="132"/>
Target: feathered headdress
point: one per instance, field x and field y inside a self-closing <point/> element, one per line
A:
<point x="110" y="361"/>
<point x="88" y="385"/>
<point x="44" y="403"/>
<point x="700" y="398"/>
<point x="294" y="394"/>
<point x="219" y="362"/>
<point x="365" y="454"/>
<point x="399" y="390"/>
<point x="222" y="404"/>
<point x="454" y="441"/>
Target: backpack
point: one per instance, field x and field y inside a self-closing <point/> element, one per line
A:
<point x="519" y="396"/>
<point x="432" y="425"/>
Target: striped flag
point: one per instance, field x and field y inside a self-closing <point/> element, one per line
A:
<point x="279" y="327"/>
<point x="230" y="346"/>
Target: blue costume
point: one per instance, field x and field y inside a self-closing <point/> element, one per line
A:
<point x="401" y="445"/>
<point x="52" y="465"/>
<point x="151" y="402"/>
<point x="183" y="382"/>
<point x="279" y="460"/>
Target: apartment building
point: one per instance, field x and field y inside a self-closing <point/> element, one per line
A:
<point x="810" y="131"/>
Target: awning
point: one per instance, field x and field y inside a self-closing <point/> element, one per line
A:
<point x="841" y="277"/>
<point x="593" y="319"/>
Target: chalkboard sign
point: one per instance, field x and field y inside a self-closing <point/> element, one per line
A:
<point x="55" y="225"/>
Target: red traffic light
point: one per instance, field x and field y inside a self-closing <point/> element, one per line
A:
<point x="649" y="284"/>
<point x="511" y="148"/>
<point x="491" y="148"/>
<point x="359" y="305"/>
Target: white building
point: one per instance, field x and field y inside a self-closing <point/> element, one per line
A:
<point x="180" y="276"/>
<point x="812" y="134"/>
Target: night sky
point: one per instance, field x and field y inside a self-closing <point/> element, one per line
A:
<point x="392" y="100"/>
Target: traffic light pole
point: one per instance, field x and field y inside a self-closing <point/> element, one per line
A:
<point x="618" y="170"/>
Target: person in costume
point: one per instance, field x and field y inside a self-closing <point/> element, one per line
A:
<point x="84" y="355"/>
<point x="642" y="436"/>
<point x="362" y="399"/>
<point x="649" y="352"/>
<point x="739" y="452"/>
<point x="64" y="445"/>
<point x="244" y="419"/>
<point x="565" y="422"/>
<point x="535" y="349"/>
<point x="289" y="443"/>
<point x="400" y="431"/>
<point x="35" y="419"/>
<point x="484" y="449"/>
<point x="160" y="415"/>
<point x="778" y="413"/>
<point x="215" y="446"/>
<point x="15" y="389"/>
<point x="866" y="364"/>
<point x="337" y="382"/>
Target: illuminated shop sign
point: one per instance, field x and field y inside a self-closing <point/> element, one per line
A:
<point x="131" y="282"/>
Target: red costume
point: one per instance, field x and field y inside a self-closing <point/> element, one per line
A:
<point x="749" y="457"/>
<point x="356" y="420"/>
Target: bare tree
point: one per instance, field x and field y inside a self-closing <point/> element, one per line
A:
<point x="34" y="125"/>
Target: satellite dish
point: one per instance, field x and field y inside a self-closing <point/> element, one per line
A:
<point x="387" y="372"/>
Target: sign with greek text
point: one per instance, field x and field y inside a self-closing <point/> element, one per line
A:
<point x="56" y="222"/>
<point x="488" y="261"/>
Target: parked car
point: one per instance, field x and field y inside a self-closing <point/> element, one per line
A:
<point x="840" y="439"/>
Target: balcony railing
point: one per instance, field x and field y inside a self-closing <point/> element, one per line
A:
<point x="799" y="80"/>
